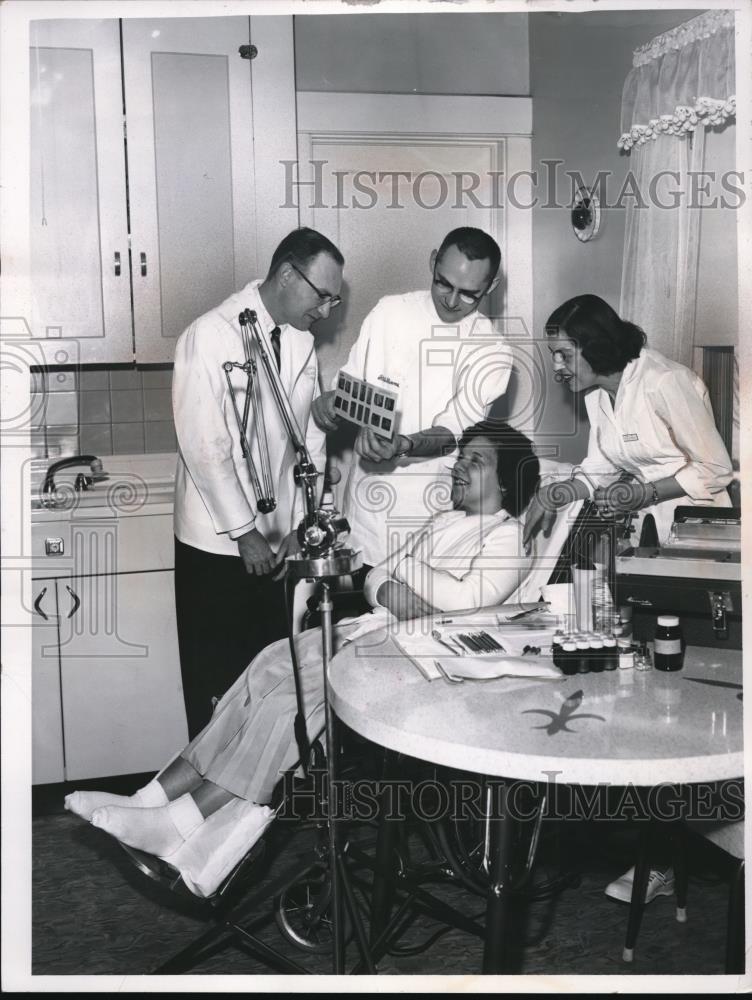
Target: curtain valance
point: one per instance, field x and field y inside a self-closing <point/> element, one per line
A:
<point x="680" y="80"/>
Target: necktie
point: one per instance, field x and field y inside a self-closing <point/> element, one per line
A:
<point x="275" y="335"/>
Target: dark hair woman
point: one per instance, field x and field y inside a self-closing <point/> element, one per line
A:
<point x="653" y="439"/>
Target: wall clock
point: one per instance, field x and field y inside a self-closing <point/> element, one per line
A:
<point x="586" y="214"/>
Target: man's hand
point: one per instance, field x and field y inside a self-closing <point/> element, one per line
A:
<point x="376" y="449"/>
<point x="289" y="547"/>
<point x="256" y="553"/>
<point x="323" y="412"/>
<point x="403" y="602"/>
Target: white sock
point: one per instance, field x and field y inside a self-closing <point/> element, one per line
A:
<point x="158" y="831"/>
<point x="84" y="804"/>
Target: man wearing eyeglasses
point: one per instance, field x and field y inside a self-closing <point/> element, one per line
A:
<point x="448" y="365"/>
<point x="229" y="558"/>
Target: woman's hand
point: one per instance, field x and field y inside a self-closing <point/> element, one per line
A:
<point x="622" y="497"/>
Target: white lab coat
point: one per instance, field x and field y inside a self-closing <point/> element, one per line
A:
<point x="445" y="375"/>
<point x="661" y="425"/>
<point x="214" y="497"/>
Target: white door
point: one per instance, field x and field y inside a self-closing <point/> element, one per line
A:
<point x="207" y="131"/>
<point x="386" y="176"/>
<point x="121" y="690"/>
<point x="80" y="280"/>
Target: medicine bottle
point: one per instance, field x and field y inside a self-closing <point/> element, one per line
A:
<point x="668" y="651"/>
<point x="626" y="654"/>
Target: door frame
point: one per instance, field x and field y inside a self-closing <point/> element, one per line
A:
<point x="503" y="124"/>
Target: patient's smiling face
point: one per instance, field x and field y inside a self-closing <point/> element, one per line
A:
<point x="475" y="483"/>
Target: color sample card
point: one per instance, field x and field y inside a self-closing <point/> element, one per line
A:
<point x="365" y="404"/>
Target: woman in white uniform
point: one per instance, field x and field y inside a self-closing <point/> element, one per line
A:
<point x="653" y="441"/>
<point x="466" y="558"/>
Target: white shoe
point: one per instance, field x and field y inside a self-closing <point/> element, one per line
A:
<point x="659" y="884"/>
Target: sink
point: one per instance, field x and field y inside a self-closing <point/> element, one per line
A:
<point x="118" y="494"/>
<point x="132" y="484"/>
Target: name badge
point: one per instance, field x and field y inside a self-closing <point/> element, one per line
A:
<point x="630" y="437"/>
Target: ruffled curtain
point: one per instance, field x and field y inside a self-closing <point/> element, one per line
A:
<point x="682" y="84"/>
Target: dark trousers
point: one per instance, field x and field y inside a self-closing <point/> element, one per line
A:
<point x="224" y="617"/>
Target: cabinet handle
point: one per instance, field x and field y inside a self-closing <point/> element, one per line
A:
<point x="76" y="602"/>
<point x="143" y="265"/>
<point x="117" y="264"/>
<point x="38" y="602"/>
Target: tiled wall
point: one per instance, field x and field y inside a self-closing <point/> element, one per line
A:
<point x="101" y="411"/>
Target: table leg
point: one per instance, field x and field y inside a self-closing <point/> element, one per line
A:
<point x="383" y="886"/>
<point x="500" y="906"/>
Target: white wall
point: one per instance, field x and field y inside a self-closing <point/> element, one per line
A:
<point x="578" y="65"/>
<point x="422" y="53"/>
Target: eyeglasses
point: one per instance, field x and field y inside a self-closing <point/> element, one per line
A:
<point x="325" y="299"/>
<point x="468" y="298"/>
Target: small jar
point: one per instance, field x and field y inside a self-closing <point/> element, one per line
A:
<point x="642" y="657"/>
<point x="610" y="654"/>
<point x="568" y="657"/>
<point x="668" y="649"/>
<point x="583" y="656"/>
<point x="626" y="654"/>
<point x="556" y="642"/>
<point x="596" y="655"/>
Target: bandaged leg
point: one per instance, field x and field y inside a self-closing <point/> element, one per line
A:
<point x="85" y="804"/>
<point x="212" y="851"/>
<point x="152" y="795"/>
<point x="158" y="831"/>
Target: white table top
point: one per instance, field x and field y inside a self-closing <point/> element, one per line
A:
<point x="621" y="726"/>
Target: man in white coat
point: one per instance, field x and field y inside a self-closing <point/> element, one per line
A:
<point x="229" y="557"/>
<point x="448" y="364"/>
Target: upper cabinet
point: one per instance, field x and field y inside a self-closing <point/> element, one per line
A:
<point x="158" y="184"/>
<point x="79" y="214"/>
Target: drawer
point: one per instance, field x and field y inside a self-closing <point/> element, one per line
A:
<point x="107" y="544"/>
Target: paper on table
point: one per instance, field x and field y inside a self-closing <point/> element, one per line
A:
<point x="487" y="667"/>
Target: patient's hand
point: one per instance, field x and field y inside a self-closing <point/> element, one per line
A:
<point x="541" y="515"/>
<point x="403" y="602"/>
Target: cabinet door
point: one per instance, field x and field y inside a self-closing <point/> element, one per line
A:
<point x="121" y="691"/>
<point x="47" y="755"/>
<point x="78" y="214"/>
<point x="199" y="228"/>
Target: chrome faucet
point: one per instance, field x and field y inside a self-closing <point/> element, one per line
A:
<point x="83" y="482"/>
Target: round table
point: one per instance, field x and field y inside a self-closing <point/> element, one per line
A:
<point x="618" y="727"/>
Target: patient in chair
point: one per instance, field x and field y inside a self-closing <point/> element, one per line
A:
<point x="217" y="789"/>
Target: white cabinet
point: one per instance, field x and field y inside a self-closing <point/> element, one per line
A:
<point x="122" y="700"/>
<point x="106" y="690"/>
<point x="47" y="759"/>
<point x="199" y="134"/>
<point x="78" y="212"/>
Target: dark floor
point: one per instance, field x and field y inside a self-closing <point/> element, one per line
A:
<point x="94" y="913"/>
